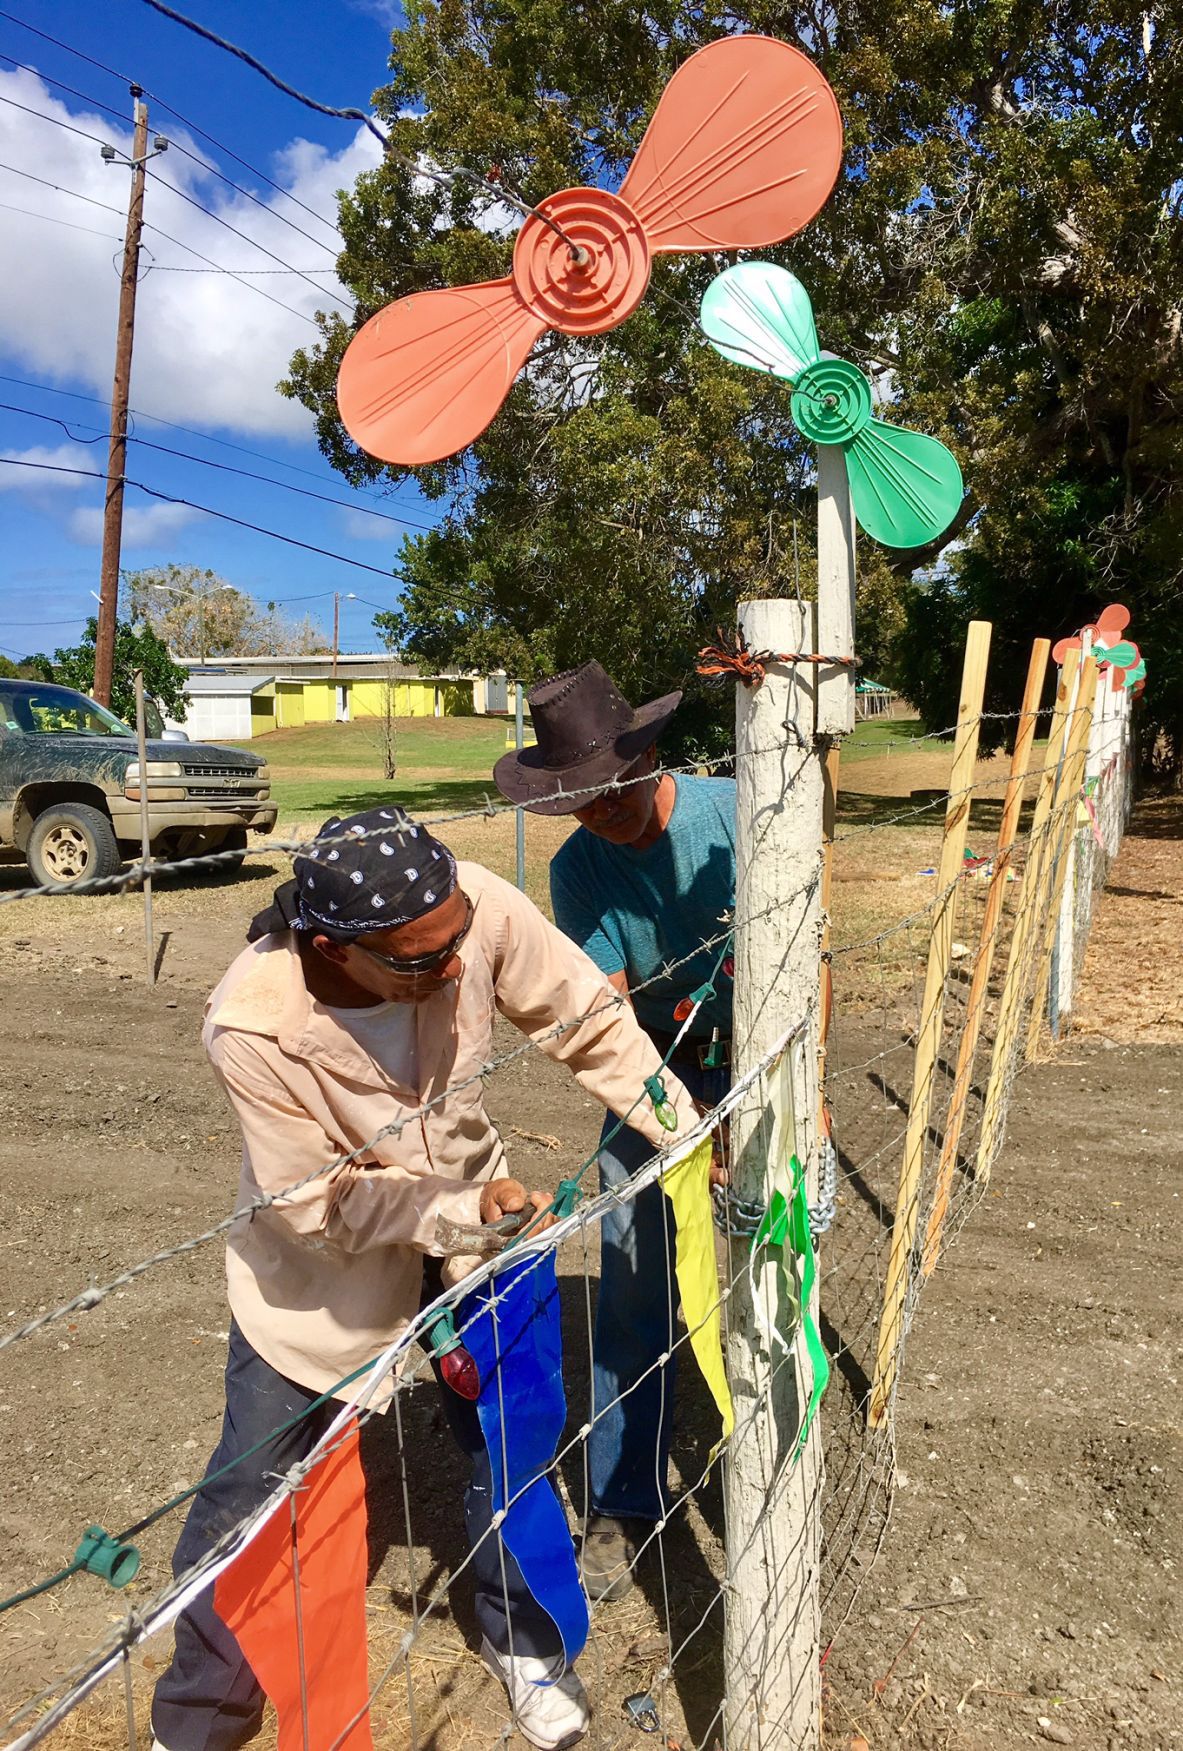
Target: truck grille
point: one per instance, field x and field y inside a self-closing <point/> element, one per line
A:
<point x="245" y="772"/>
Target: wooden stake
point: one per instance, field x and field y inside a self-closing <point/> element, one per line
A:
<point x="1014" y="984"/>
<point x="932" y="1013"/>
<point x="772" y="1677"/>
<point x="1012" y="804"/>
<point x="1063" y="833"/>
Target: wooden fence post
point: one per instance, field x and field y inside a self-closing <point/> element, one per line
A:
<point x="1067" y="802"/>
<point x="1014" y="984"/>
<point x="976" y="1005"/>
<point x="932" y="1012"/>
<point x="772" y="1678"/>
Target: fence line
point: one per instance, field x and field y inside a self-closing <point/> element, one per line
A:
<point x="884" y="1006"/>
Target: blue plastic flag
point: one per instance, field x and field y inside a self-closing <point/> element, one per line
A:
<point x="518" y="1349"/>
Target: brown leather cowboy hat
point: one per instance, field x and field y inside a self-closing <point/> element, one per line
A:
<point x="588" y="734"/>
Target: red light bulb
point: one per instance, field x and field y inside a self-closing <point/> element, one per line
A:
<point x="729" y="966"/>
<point x="459" y="1371"/>
<point x="684" y="1010"/>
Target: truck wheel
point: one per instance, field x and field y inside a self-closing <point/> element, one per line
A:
<point x="72" y="843"/>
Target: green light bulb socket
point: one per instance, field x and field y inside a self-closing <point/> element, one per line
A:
<point x="100" y="1554"/>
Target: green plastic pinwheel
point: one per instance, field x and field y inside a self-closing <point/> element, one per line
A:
<point x="905" y="486"/>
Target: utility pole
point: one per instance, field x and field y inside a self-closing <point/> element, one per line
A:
<point x="772" y="1677"/>
<point x="104" y="656"/>
<point x="336" y="629"/>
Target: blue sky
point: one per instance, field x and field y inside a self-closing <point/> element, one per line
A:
<point x="209" y="348"/>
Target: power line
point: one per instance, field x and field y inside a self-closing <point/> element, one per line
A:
<point x="247" y="195"/>
<point x="60" y="84"/>
<point x="168" y="238"/>
<point x="167" y="267"/>
<point x="33" y="413"/>
<point x="348" y="114"/>
<point x="210" y="169"/>
<point x="190" y="431"/>
<point x="283" y="485"/>
<point x="59" y="190"/>
<point x="444" y="178"/>
<point x="222" y="467"/>
<point x="323" y="291"/>
<point x="192" y="505"/>
<point x="87" y="230"/>
<point x="55" y="121"/>
<point x="173" y="111"/>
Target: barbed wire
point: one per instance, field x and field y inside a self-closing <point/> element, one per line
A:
<point x="857" y="1498"/>
<point x="489" y="810"/>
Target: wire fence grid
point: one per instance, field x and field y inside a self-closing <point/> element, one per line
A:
<point x="654" y="1662"/>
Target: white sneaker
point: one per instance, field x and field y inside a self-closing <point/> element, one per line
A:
<point x="549" y="1710"/>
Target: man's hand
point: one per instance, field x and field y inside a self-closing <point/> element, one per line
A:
<point x="506" y="1197"/>
<point x="720" y="1147"/>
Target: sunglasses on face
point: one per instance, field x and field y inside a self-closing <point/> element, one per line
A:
<point x="425" y="963"/>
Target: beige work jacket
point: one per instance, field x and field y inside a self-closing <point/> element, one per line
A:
<point x="323" y="1280"/>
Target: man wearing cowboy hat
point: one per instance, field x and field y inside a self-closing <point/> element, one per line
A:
<point x="644" y="884"/>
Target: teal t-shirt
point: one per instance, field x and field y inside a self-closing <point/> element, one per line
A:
<point x="638" y="910"/>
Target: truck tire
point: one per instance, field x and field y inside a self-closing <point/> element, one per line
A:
<point x="72" y="843"/>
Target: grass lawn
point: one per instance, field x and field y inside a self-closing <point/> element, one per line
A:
<point x="326" y="769"/>
<point x="447" y="763"/>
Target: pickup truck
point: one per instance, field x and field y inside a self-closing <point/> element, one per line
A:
<point x="70" y="789"/>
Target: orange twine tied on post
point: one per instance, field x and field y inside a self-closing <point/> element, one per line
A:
<point x="732" y="657"/>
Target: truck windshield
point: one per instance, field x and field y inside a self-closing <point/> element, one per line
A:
<point x="56" y="711"/>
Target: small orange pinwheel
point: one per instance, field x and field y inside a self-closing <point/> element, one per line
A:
<point x="742" y="151"/>
<point x="1120" y="656"/>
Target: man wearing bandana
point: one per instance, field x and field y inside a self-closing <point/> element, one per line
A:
<point x="368" y="993"/>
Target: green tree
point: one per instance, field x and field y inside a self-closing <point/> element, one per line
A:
<point x="32" y="668"/>
<point x="1005" y="244"/>
<point x="136" y="647"/>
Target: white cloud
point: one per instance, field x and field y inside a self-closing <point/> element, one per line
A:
<point x="143" y="526"/>
<point x="209" y="349"/>
<point x="365" y="528"/>
<point x="38" y="482"/>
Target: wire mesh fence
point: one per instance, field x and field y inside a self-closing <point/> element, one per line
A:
<point x="653" y="1661"/>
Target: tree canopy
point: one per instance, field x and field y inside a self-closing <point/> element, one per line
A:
<point x="1002" y="252"/>
<point x="136" y="647"/>
<point x="197" y="613"/>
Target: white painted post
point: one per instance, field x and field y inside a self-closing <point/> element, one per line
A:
<point x="835" y="590"/>
<point x="772" y="1680"/>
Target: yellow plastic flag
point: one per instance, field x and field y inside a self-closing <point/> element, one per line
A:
<point x="687" y="1186"/>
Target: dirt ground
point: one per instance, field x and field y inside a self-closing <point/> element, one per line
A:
<point x="1027" y="1592"/>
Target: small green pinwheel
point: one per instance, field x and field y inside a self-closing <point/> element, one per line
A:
<point x="905" y="486"/>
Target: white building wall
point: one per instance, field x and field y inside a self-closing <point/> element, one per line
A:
<point x="216" y="717"/>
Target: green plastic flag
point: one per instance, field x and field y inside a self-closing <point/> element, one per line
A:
<point x="788" y="1221"/>
<point x="905" y="486"/>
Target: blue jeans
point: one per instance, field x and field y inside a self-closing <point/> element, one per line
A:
<point x="633" y="1399"/>
<point x="208" y="1699"/>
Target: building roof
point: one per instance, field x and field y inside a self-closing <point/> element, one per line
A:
<point x="205" y="686"/>
<point x="351" y="665"/>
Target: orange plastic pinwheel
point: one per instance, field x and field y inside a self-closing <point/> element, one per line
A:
<point x="742" y="151"/>
<point x="1120" y="656"/>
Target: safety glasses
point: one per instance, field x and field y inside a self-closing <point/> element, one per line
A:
<point x="424" y="963"/>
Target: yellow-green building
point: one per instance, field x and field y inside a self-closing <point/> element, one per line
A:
<point x="236" y="698"/>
